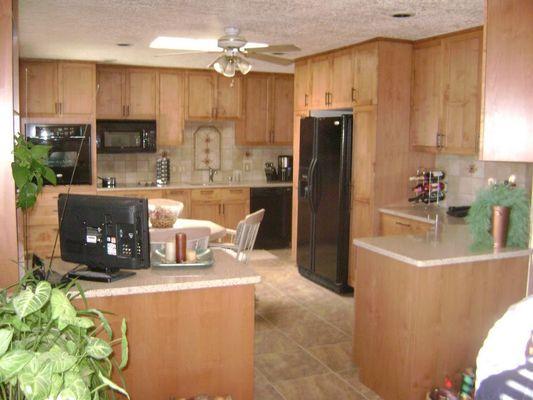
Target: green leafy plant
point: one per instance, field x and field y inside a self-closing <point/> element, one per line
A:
<point x="479" y="217"/>
<point x="49" y="350"/>
<point x="29" y="171"/>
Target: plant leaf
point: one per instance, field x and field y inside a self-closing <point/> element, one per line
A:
<point x="27" y="195"/>
<point x="75" y="388"/>
<point x="13" y="361"/>
<point x="112" y="385"/>
<point x="40" y="152"/>
<point x="58" y="360"/>
<point x="27" y="302"/>
<point x="61" y="306"/>
<point x="103" y="320"/>
<point x="98" y="348"/>
<point x="5" y="340"/>
<point x="124" y="346"/>
<point x="21" y="175"/>
<point x="35" y="379"/>
<point x="56" y="383"/>
<point x="49" y="175"/>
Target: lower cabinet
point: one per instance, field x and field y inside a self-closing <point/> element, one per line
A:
<point x="392" y="225"/>
<point x="225" y="207"/>
<point x="182" y="195"/>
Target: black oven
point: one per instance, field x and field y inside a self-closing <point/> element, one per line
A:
<point x="126" y="136"/>
<point x="65" y="142"/>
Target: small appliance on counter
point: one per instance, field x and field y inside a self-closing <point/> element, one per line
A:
<point x="430" y="186"/>
<point x="285" y="168"/>
<point x="162" y="170"/>
<point x="108" y="181"/>
<point x="270" y="172"/>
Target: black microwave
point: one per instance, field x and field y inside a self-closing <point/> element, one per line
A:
<point x="126" y="136"/>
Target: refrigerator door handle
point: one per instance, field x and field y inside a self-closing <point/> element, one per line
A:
<point x="315" y="194"/>
<point x="311" y="186"/>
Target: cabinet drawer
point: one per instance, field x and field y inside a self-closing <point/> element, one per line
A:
<point x="393" y="225"/>
<point x="235" y="194"/>
<point x="206" y="194"/>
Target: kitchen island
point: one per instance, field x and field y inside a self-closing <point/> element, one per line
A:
<point x="424" y="304"/>
<point x="190" y="331"/>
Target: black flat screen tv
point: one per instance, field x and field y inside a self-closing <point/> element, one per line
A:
<point x="105" y="233"/>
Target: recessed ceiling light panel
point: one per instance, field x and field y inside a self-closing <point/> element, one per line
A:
<point x="181" y="43"/>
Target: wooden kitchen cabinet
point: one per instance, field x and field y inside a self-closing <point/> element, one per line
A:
<point x="282" y="100"/>
<point x="341" y="93"/>
<point x="507" y="120"/>
<point x="229" y="97"/>
<point x="301" y="85"/>
<point x="57" y="89"/>
<point x="269" y="102"/>
<point x="365" y="75"/>
<point x="171" y="115"/>
<point x="225" y="207"/>
<point x="393" y="225"/>
<point x="183" y="196"/>
<point x="320" y="81"/>
<point x="445" y="100"/>
<point x="201" y="95"/>
<point x="207" y="210"/>
<point x="126" y="93"/>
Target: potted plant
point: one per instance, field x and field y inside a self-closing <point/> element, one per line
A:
<point x="499" y="216"/>
<point x="49" y="350"/>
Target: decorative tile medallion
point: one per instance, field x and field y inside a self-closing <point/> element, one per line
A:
<point x="207" y="148"/>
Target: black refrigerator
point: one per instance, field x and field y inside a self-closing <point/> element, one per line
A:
<point x="324" y="200"/>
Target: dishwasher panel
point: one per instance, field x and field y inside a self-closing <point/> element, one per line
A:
<point x="275" y="229"/>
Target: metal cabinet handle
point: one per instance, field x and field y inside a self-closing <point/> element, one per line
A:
<point x="128" y="110"/>
<point x="60" y="108"/>
<point x="326" y="98"/>
<point x="223" y="209"/>
<point x="402" y="224"/>
<point x="305" y="100"/>
<point x="354" y="94"/>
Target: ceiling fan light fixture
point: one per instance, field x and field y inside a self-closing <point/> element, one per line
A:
<point x="220" y="64"/>
<point x="243" y="65"/>
<point x="229" y="70"/>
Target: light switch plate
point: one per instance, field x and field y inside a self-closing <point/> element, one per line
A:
<point x="247" y="165"/>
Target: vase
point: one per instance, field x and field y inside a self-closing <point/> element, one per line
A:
<point x="500" y="224"/>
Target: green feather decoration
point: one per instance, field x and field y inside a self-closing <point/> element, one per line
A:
<point x="479" y="217"/>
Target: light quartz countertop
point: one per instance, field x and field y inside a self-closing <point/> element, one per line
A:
<point x="423" y="213"/>
<point x="446" y="245"/>
<point x="226" y="271"/>
<point x="189" y="185"/>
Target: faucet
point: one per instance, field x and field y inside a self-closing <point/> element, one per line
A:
<point x="212" y="173"/>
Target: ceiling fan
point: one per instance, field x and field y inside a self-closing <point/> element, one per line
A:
<point x="235" y="50"/>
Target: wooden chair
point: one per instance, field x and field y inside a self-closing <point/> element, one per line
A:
<point x="243" y="237"/>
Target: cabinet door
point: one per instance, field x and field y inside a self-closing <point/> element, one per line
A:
<point x="301" y="85"/>
<point x="364" y="153"/>
<point x="141" y="94"/>
<point x="76" y="88"/>
<point x="170" y="121"/>
<point x="207" y="210"/>
<point x="234" y="211"/>
<point x="461" y="83"/>
<point x="282" y="110"/>
<point x="341" y="79"/>
<point x="426" y="96"/>
<point x="229" y="97"/>
<point x="200" y="95"/>
<point x="256" y="127"/>
<point x="365" y="75"/>
<point x="320" y="81"/>
<point x="38" y="89"/>
<point x="184" y="196"/>
<point x="110" y="93"/>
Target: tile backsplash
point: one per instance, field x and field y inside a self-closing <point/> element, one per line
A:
<point x="140" y="167"/>
<point x="465" y="175"/>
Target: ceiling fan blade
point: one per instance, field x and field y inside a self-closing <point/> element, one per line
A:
<point x="270" y="59"/>
<point x="279" y="48"/>
<point x="178" y="53"/>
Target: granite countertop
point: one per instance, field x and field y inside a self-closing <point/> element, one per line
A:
<point x="189" y="185"/>
<point x="226" y="271"/>
<point x="423" y="213"/>
<point x="448" y="244"/>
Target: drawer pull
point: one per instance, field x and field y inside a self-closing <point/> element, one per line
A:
<point x="403" y="224"/>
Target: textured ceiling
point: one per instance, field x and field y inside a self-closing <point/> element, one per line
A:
<point x="90" y="29"/>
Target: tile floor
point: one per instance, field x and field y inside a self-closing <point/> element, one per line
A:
<point x="303" y="338"/>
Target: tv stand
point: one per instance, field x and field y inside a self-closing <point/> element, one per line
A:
<point x="98" y="274"/>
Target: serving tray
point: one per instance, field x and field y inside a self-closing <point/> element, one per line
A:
<point x="204" y="259"/>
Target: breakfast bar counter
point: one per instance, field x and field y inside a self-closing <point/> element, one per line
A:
<point x="425" y="303"/>
<point x="190" y="331"/>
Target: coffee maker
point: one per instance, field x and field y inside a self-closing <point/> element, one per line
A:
<point x="285" y="168"/>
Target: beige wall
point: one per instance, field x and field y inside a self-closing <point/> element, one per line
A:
<point x="8" y="220"/>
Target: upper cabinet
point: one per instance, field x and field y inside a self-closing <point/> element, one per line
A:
<point x="268" y="110"/>
<point x="445" y="95"/>
<point x="365" y="75"/>
<point x="507" y="133"/>
<point x="126" y="93"/>
<point x="57" y="89"/>
<point x="213" y="96"/>
<point x="171" y="113"/>
<point x="341" y="92"/>
<point x="301" y="85"/>
<point x="320" y="77"/>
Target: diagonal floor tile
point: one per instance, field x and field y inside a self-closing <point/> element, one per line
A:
<point x="279" y="366"/>
<point x="273" y="341"/>
<point x="336" y="356"/>
<point x="318" y="387"/>
<point x="314" y="333"/>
